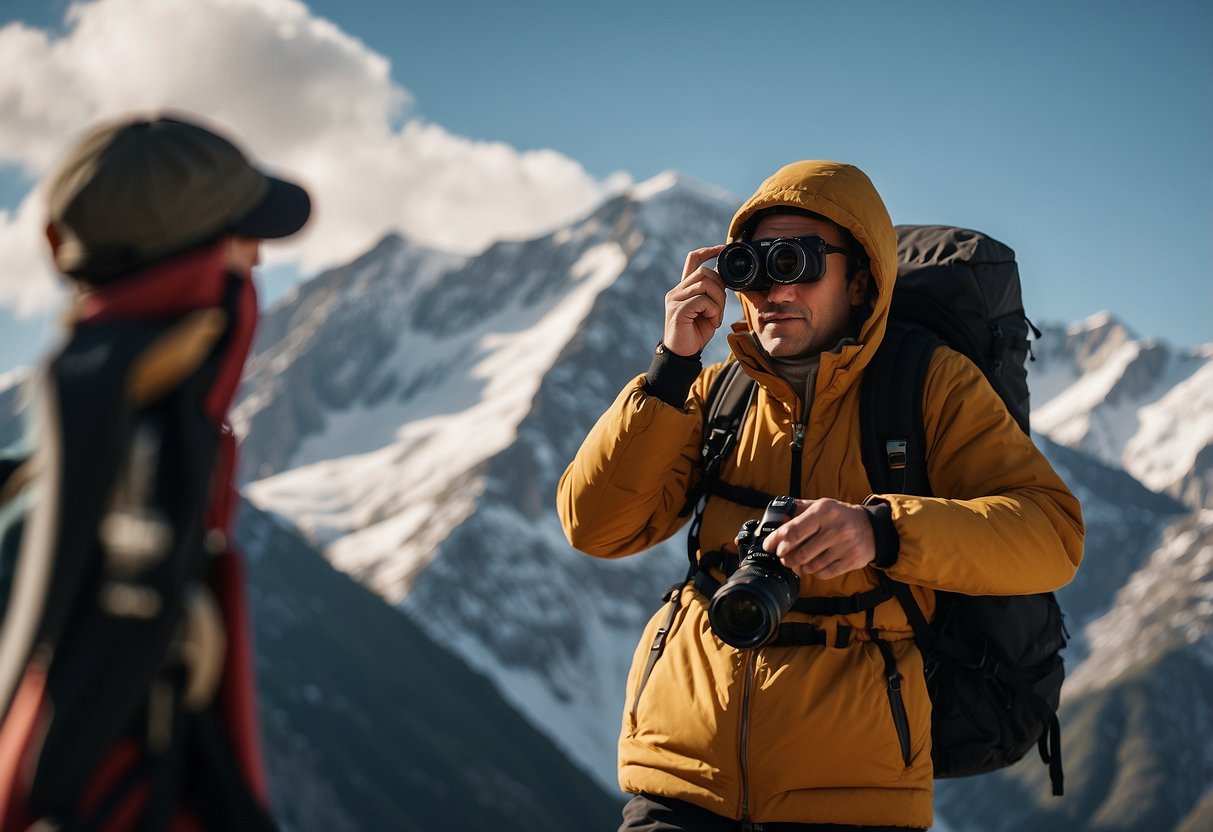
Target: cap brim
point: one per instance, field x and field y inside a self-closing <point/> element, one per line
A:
<point x="282" y="211"/>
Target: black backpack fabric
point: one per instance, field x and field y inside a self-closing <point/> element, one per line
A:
<point x="105" y="568"/>
<point x="993" y="663"/>
<point x="964" y="286"/>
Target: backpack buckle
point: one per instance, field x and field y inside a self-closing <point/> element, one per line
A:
<point x="720" y="442"/>
<point x="895" y="450"/>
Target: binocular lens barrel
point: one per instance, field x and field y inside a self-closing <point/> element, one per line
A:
<point x="785" y="262"/>
<point x="753" y="266"/>
<point x="738" y="266"/>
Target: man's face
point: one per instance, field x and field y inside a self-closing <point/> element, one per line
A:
<point x="801" y="319"/>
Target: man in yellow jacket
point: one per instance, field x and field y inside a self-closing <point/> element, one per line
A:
<point x="801" y="736"/>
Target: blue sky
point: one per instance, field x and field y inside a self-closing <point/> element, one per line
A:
<point x="1079" y="133"/>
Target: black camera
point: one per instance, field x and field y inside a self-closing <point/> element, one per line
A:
<point x="746" y="267"/>
<point x="745" y="612"/>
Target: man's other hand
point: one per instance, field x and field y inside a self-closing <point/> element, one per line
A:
<point x="694" y="309"/>
<point x="826" y="538"/>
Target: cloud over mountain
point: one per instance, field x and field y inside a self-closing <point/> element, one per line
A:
<point x="300" y="93"/>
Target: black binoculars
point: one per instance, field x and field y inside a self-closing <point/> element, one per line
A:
<point x="753" y="267"/>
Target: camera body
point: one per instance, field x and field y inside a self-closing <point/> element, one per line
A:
<point x="745" y="612"/>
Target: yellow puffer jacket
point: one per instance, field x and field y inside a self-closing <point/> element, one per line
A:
<point x="806" y="733"/>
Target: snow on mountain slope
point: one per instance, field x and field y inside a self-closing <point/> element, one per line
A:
<point x="1136" y="712"/>
<point x="329" y="346"/>
<point x="425" y="461"/>
<point x="384" y="481"/>
<point x="434" y="484"/>
<point x="1166" y="603"/>
<point x="1124" y="521"/>
<point x="12" y="378"/>
<point x="1173" y="432"/>
<point x="1136" y="404"/>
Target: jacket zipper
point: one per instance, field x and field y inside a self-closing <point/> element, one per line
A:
<point x="798" y="430"/>
<point x="751" y="660"/>
<point x="797" y="458"/>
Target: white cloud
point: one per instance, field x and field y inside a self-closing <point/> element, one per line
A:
<point x="300" y="95"/>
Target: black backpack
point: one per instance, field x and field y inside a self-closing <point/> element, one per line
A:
<point x="993" y="664"/>
<point x="112" y="640"/>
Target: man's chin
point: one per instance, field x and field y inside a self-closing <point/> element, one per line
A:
<point x="785" y="348"/>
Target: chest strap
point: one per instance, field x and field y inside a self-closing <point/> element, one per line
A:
<point x="812" y="605"/>
<point x="739" y="494"/>
<point x="842" y="604"/>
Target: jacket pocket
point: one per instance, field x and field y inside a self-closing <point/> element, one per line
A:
<point x="823" y="718"/>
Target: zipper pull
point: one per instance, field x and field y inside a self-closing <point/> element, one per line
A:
<point x="798" y="436"/>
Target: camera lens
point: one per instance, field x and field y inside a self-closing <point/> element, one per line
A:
<point x="785" y="262"/>
<point x="746" y="611"/>
<point x="738" y="265"/>
<point x="741" y="614"/>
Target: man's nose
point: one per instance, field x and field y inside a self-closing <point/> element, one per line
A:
<point x="781" y="293"/>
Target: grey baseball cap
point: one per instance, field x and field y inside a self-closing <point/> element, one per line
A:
<point x="136" y="191"/>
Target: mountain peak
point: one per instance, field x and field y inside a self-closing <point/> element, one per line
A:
<point x="672" y="180"/>
<point x="1102" y="322"/>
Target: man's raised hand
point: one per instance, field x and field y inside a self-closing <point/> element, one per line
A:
<point x="694" y="309"/>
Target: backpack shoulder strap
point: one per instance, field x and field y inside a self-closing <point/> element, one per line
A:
<point x="892" y="434"/>
<point x="729" y="398"/>
<point x="893" y="437"/>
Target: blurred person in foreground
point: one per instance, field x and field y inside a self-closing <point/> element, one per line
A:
<point x="126" y="658"/>
<point x="831" y="730"/>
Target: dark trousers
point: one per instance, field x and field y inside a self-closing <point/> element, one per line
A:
<point x="652" y="813"/>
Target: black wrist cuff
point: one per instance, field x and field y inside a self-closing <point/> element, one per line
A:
<point x="888" y="542"/>
<point x="670" y="376"/>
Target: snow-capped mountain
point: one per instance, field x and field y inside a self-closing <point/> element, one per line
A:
<point x="1137" y="404"/>
<point x="411" y="413"/>
<point x="1124" y="520"/>
<point x="1136" y="713"/>
<point x="434" y="485"/>
<point x="432" y="479"/>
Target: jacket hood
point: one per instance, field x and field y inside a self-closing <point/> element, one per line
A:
<point x="844" y="194"/>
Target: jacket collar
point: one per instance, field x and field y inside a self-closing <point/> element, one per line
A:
<point x="837" y="371"/>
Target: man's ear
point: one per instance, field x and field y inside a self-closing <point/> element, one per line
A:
<point x="857" y="288"/>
